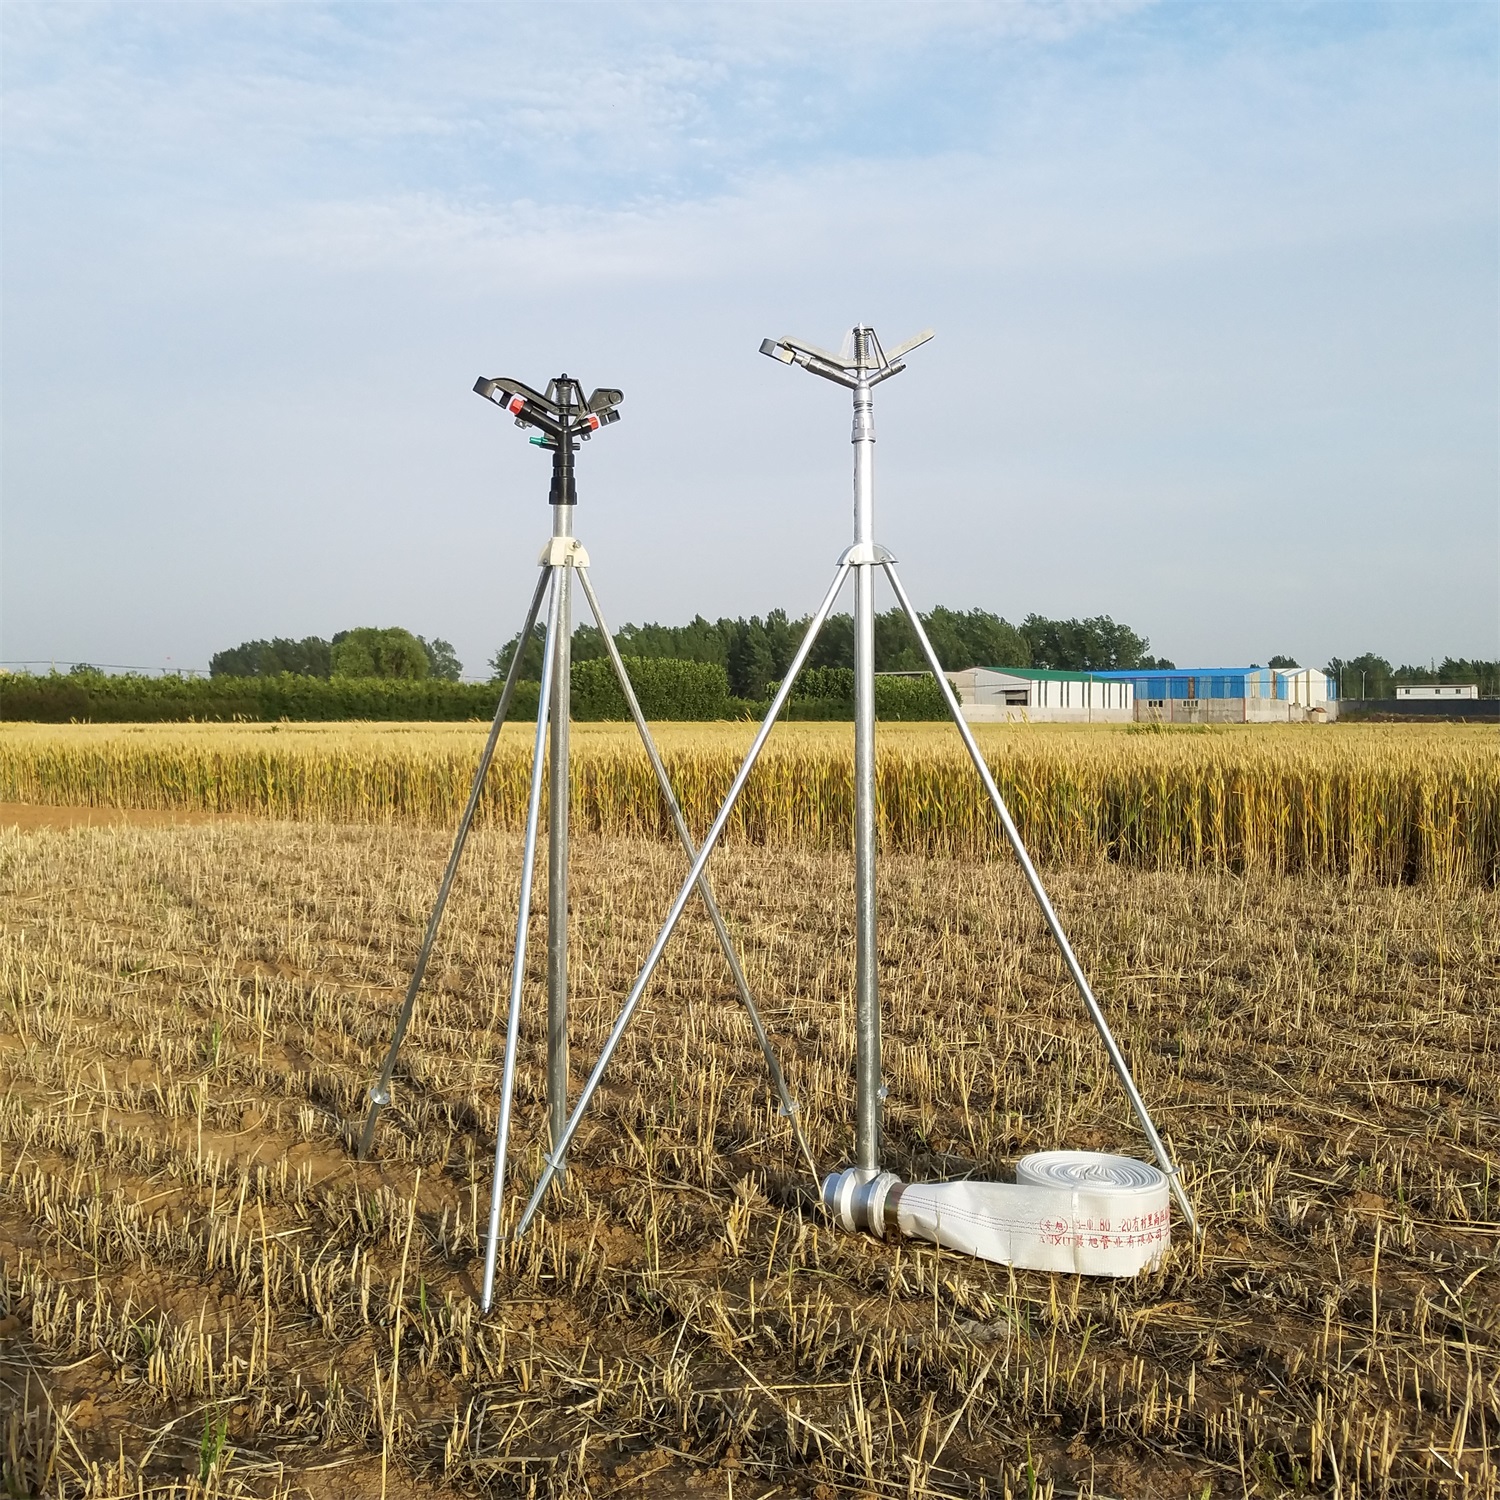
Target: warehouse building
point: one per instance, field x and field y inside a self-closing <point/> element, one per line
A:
<point x="1030" y="695"/>
<point x="1436" y="691"/>
<point x="1231" y="695"/>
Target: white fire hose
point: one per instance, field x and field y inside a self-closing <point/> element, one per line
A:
<point x="1079" y="1211"/>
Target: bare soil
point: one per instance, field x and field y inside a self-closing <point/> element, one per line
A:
<point x="29" y="817"/>
<point x="204" y="1292"/>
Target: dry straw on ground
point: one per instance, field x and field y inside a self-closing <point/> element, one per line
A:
<point x="1390" y="803"/>
<point x="204" y="1294"/>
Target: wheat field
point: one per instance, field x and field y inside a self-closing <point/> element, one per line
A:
<point x="1388" y="803"/>
<point x="205" y="1294"/>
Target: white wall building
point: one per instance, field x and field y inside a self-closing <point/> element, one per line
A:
<point x="1304" y="687"/>
<point x="1029" y="695"/>
<point x="1432" y="690"/>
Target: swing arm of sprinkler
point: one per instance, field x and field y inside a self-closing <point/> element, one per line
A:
<point x="561" y="413"/>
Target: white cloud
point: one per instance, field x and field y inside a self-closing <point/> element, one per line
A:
<point x="653" y="92"/>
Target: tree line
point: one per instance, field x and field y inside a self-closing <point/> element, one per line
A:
<point x="363" y="652"/>
<point x="756" y="651"/>
<point x="1371" y="676"/>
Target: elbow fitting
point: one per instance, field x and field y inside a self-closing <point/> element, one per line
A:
<point x="859" y="1199"/>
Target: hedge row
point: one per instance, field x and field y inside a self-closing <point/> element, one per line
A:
<point x="667" y="688"/>
<point x="95" y="697"/>
<point x="828" y="693"/>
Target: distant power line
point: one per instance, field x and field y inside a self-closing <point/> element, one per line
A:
<point x="114" y="666"/>
<point x="110" y="666"/>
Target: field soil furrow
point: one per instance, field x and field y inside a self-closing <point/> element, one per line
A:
<point x="202" y="1285"/>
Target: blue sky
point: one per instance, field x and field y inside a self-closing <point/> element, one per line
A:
<point x="1214" y="286"/>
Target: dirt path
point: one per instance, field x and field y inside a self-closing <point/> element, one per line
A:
<point x="29" y="817"/>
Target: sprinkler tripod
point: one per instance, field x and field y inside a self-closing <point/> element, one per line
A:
<point x="562" y="418"/>
<point x="862" y="366"/>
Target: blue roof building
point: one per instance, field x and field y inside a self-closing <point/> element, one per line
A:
<point x="1230" y="693"/>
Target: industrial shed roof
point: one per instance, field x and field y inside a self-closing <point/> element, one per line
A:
<point x="1046" y="674"/>
<point x="1185" y="671"/>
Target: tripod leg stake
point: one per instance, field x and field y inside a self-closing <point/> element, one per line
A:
<point x="380" y="1090"/>
<point x="518" y="962"/>
<point x="1096" y="1014"/>
<point x="747" y="999"/>
<point x="710" y="840"/>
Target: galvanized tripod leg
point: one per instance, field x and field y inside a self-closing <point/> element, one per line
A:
<point x="1096" y="1014"/>
<point x="557" y="841"/>
<point x="710" y="840"/>
<point x="518" y="962"/>
<point x="380" y="1090"/>
<point x="778" y="1079"/>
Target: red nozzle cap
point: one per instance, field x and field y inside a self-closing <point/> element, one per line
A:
<point x="515" y="405"/>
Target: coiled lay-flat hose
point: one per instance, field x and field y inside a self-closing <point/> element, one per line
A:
<point x="1079" y="1211"/>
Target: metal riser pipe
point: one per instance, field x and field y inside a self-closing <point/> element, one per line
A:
<point x="558" y="791"/>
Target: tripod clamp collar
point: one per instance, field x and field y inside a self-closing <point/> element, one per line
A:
<point x="862" y="553"/>
<point x="563" y="552"/>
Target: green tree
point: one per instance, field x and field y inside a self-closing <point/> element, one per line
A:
<point x="961" y="638"/>
<point x="531" y="655"/>
<point x="442" y="660"/>
<point x="1281" y="662"/>
<point x="308" y="657"/>
<point x="760" y="650"/>
<point x="756" y="651"/>
<point x="834" y="646"/>
<point x="588" y="644"/>
<point x="1096" y="644"/>
<point x="969" y="638"/>
<point x="1367" y="676"/>
<point x="371" y="652"/>
<point x="698" y="640"/>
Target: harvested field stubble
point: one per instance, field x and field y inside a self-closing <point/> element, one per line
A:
<point x="1385" y="803"/>
<point x="201" y="1287"/>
